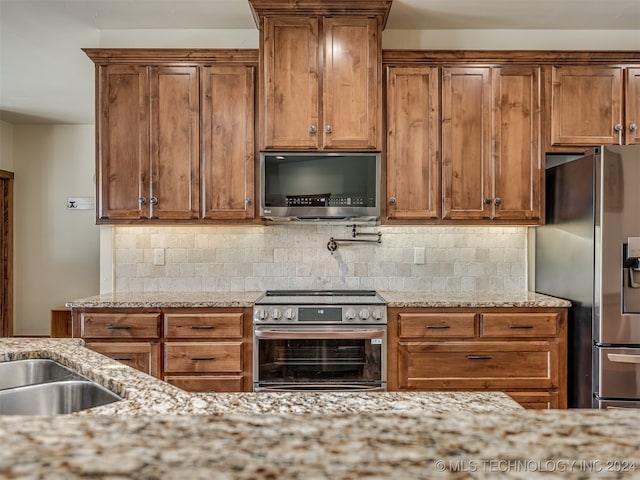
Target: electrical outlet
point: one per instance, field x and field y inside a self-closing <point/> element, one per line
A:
<point x="158" y="256"/>
<point x="418" y="255"/>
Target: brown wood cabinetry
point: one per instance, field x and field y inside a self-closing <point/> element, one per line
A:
<point x="515" y="350"/>
<point x="174" y="135"/>
<point x="594" y="104"/>
<point x="204" y="349"/>
<point x="321" y="81"/>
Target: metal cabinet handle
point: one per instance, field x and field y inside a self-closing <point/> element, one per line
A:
<point x="497" y="201"/>
<point x="520" y="326"/>
<point x="248" y="200"/>
<point x="437" y="327"/>
<point x="154" y="201"/>
<point x="618" y="127"/>
<point x="392" y="201"/>
<point x="118" y="327"/>
<point x="633" y="127"/>
<point x="328" y="129"/>
<point x="123" y="359"/>
<point x="202" y="327"/>
<point x="142" y="201"/>
<point x="313" y="128"/>
<point x="478" y="357"/>
<point x="196" y="359"/>
<point x="487" y="201"/>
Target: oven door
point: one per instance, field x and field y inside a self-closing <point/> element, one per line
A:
<point x="320" y="358"/>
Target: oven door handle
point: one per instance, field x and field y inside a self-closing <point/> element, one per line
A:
<point x="291" y="334"/>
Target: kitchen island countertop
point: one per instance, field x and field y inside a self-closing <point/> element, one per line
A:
<point x="193" y="438"/>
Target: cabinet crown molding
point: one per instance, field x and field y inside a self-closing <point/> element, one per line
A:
<point x="151" y="56"/>
<point x="374" y="8"/>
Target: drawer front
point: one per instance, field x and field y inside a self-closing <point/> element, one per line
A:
<point x="619" y="373"/>
<point x="536" y="400"/>
<point x="426" y="325"/>
<point x="519" y="325"/>
<point x="230" y="383"/>
<point x="203" y="357"/>
<point x="481" y="365"/>
<point x="124" y="325"/>
<point x="143" y="356"/>
<point x="203" y="325"/>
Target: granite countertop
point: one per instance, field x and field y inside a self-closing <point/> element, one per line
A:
<point x="163" y="432"/>
<point x="471" y="299"/>
<point x="246" y="299"/>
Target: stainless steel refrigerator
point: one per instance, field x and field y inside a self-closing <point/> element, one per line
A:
<point x="588" y="252"/>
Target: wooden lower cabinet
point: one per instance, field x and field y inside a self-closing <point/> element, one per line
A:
<point x="521" y="351"/>
<point x="143" y="356"/>
<point x="197" y="349"/>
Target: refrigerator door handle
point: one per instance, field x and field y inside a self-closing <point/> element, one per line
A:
<point x="623" y="358"/>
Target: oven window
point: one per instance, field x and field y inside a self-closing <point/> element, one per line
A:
<point x="318" y="361"/>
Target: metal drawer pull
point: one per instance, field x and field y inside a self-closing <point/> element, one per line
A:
<point x="478" y="357"/>
<point x="437" y="327"/>
<point x="622" y="358"/>
<point x="121" y="359"/>
<point x="202" y="327"/>
<point x="521" y="326"/>
<point x="118" y="327"/>
<point x="195" y="359"/>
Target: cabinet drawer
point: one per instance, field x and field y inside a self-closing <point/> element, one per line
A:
<point x="203" y="357"/>
<point x="203" y="325"/>
<point x="519" y="325"/>
<point x="124" y="325"/>
<point x="143" y="356"/>
<point x="231" y="383"/>
<point x="425" y="325"/>
<point x="536" y="400"/>
<point x="479" y="365"/>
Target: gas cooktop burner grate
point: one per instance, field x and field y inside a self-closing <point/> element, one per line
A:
<point x="320" y="293"/>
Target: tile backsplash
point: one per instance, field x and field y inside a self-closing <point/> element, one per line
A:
<point x="247" y="258"/>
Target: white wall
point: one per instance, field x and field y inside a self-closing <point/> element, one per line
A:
<point x="56" y="249"/>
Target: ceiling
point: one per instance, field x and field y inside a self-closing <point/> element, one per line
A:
<point x="45" y="78"/>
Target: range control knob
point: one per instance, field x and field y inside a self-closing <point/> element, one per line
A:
<point x="289" y="314"/>
<point x="350" y="314"/>
<point x="260" y="314"/>
<point x="377" y="314"/>
<point x="275" y="313"/>
<point x="363" y="314"/>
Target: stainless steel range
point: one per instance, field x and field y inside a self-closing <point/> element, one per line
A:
<point x="320" y="340"/>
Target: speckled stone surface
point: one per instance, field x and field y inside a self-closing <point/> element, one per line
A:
<point x="471" y="299"/>
<point x="408" y="442"/>
<point x="167" y="300"/>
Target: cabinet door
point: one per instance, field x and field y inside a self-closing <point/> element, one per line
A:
<point x="413" y="180"/>
<point x="351" y="83"/>
<point x="227" y="139"/>
<point x="586" y="105"/>
<point x="143" y="356"/>
<point x="632" y="111"/>
<point x="174" y="142"/>
<point x="122" y="132"/>
<point x="466" y="135"/>
<point x="517" y="167"/>
<point x="290" y="59"/>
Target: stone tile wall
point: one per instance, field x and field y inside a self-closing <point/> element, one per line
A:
<point x="296" y="256"/>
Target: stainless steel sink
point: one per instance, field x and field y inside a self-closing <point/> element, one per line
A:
<point x="54" y="398"/>
<point x="19" y="373"/>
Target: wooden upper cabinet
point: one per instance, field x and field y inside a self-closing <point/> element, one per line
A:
<point x="321" y="83"/>
<point x="586" y="105"/>
<point x="632" y="108"/>
<point x="122" y="129"/>
<point x="466" y="142"/>
<point x="413" y="181"/>
<point x="148" y="142"/>
<point x="227" y="142"/>
<point x="516" y="156"/>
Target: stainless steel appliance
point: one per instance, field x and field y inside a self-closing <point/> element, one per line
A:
<point x="320" y="187"/>
<point x="588" y="253"/>
<point x="320" y="340"/>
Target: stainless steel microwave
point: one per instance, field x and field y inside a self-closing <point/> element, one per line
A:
<point x="320" y="187"/>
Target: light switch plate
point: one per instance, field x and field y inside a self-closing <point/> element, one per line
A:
<point x="418" y="255"/>
<point x="633" y="248"/>
<point x="158" y="256"/>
